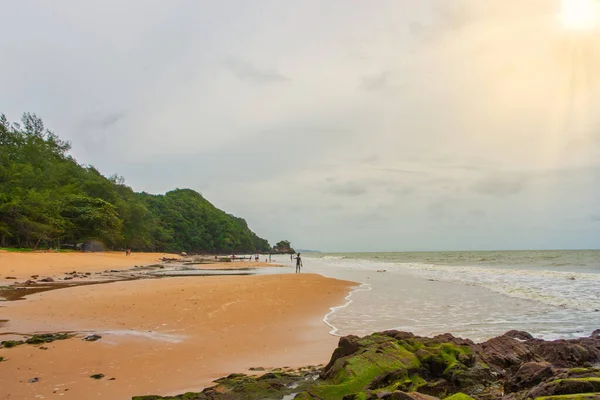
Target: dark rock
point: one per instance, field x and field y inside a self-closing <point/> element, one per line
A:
<point x="520" y="335"/>
<point x="92" y="338"/>
<point x="34" y="380"/>
<point x="112" y="379"/>
<point x="97" y="376"/>
<point x="347" y="346"/>
<point x="7" y="344"/>
<point x="48" y="279"/>
<point x="505" y="353"/>
<point x="68" y="278"/>
<point x="256" y="369"/>
<point x="573" y="353"/>
<point x="398" y="395"/>
<point x="528" y="375"/>
<point x="566" y="386"/>
<point x="595" y="334"/>
<point x="11" y="277"/>
<point x="29" y="282"/>
<point x="48" y="338"/>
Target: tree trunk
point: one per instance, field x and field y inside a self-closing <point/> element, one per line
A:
<point x="36" y="244"/>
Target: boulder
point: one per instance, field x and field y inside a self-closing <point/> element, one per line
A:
<point x="528" y="375"/>
<point x="566" y="386"/>
<point x="572" y="353"/>
<point x="519" y="335"/>
<point x="506" y="353"/>
<point x="399" y="395"/>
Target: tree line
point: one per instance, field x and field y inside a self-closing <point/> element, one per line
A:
<point x="48" y="199"/>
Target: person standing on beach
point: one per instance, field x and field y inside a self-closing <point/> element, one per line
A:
<point x="291" y="258"/>
<point x="298" y="263"/>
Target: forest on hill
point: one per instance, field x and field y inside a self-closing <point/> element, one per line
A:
<point x="48" y="200"/>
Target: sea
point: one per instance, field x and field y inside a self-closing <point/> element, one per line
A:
<point x="475" y="295"/>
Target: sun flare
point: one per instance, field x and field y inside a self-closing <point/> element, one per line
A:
<point x="580" y="14"/>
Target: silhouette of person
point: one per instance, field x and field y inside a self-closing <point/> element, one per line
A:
<point x="298" y="263"/>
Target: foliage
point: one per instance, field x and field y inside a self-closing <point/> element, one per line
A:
<point x="283" y="247"/>
<point x="48" y="199"/>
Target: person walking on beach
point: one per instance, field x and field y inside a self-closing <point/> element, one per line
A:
<point x="298" y="263"/>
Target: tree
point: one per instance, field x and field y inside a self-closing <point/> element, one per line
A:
<point x="46" y="197"/>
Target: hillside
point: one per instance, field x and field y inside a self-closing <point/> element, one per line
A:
<point x="47" y="199"/>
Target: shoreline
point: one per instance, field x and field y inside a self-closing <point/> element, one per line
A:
<point x="183" y="332"/>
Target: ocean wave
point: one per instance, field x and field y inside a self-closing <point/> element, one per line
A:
<point x="566" y="289"/>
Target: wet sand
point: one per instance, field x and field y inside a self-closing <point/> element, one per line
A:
<point x="23" y="265"/>
<point x="166" y="336"/>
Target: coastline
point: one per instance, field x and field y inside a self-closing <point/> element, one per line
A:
<point x="169" y="335"/>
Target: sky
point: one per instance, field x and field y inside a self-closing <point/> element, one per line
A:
<point x="340" y="125"/>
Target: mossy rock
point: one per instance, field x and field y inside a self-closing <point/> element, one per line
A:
<point x="7" y="344"/>
<point x="580" y="396"/>
<point x="48" y="338"/>
<point x="459" y="396"/>
<point x="568" y="386"/>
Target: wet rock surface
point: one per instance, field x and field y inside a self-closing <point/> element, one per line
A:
<point x="396" y="365"/>
<point x="37" y="339"/>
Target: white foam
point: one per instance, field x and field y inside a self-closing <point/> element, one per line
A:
<point x="363" y="287"/>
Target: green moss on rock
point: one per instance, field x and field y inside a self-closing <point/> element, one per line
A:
<point x="459" y="396"/>
<point x="580" y="396"/>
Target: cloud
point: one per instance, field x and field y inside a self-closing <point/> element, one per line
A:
<point x="500" y="185"/>
<point x="104" y="121"/>
<point x="347" y="189"/>
<point x="248" y="72"/>
<point x="381" y="81"/>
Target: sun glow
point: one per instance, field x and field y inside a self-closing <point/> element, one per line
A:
<point x="580" y="14"/>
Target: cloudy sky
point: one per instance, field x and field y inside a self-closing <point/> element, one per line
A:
<point x="341" y="125"/>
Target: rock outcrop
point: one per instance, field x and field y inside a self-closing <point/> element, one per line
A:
<point x="396" y="365"/>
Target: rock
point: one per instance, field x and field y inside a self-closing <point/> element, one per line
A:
<point x="595" y="334"/>
<point x="92" y="338"/>
<point x="34" y="380"/>
<point x="506" y="353"/>
<point x="566" y="386"/>
<point x="398" y="395"/>
<point x="29" y="282"/>
<point x="520" y="335"/>
<point x="528" y="375"/>
<point x="68" y="278"/>
<point x="572" y="353"/>
<point x="48" y="338"/>
<point x="347" y="346"/>
<point x="97" y="376"/>
<point x="48" y="279"/>
<point x="256" y="369"/>
<point x="11" y="277"/>
<point x="7" y="344"/>
<point x="399" y="365"/>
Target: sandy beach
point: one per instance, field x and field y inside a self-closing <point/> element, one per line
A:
<point x="161" y="336"/>
<point x="23" y="265"/>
